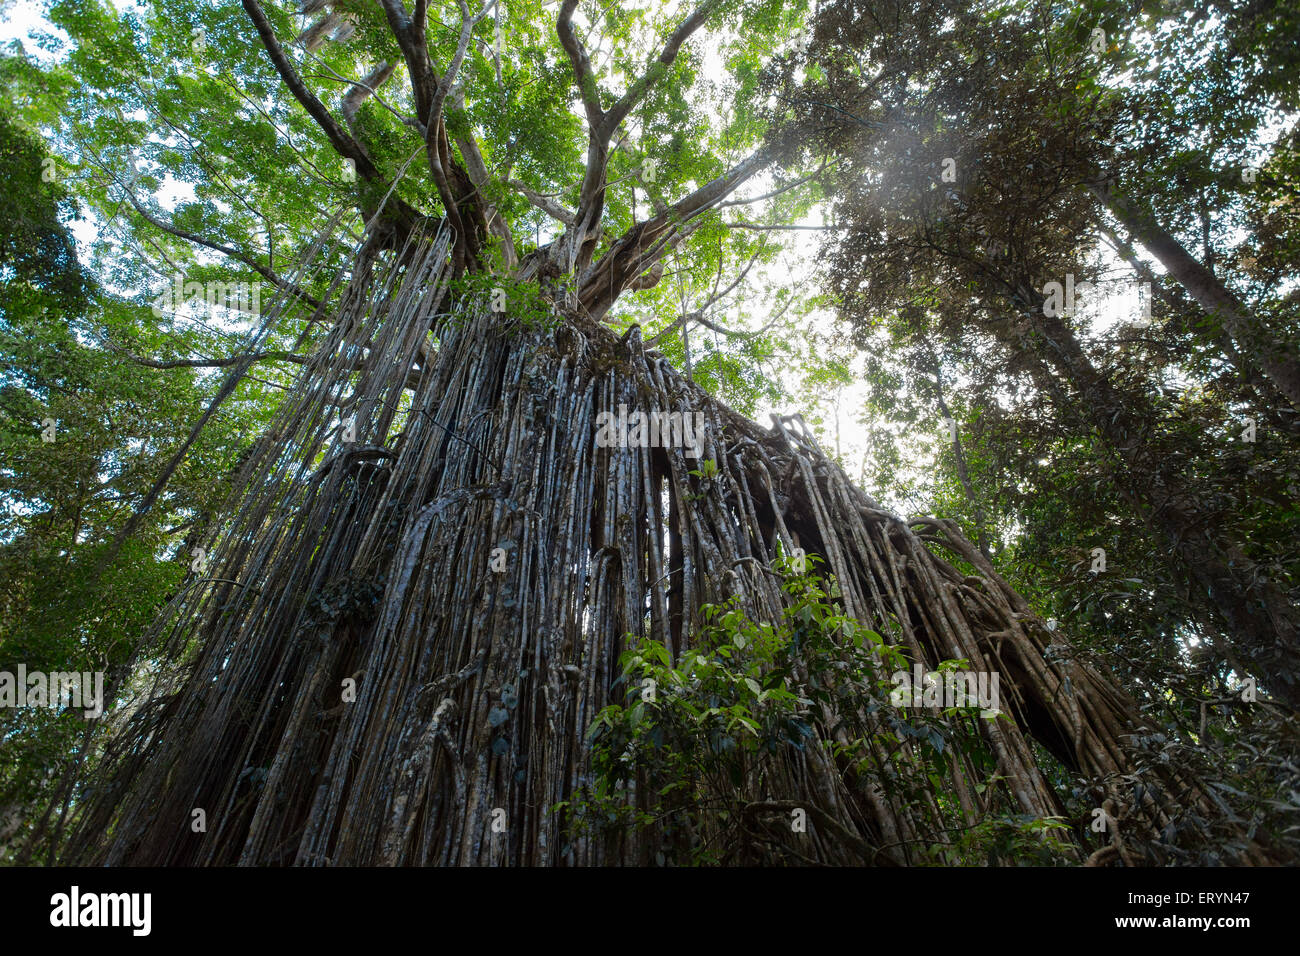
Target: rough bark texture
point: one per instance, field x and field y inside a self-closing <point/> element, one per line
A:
<point x="371" y="559"/>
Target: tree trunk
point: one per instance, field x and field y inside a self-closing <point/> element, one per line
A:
<point x="375" y="560"/>
<point x="1259" y="618"/>
<point x="1276" y="360"/>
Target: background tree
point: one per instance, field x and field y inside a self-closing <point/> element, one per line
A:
<point x="973" y="154"/>
<point x="981" y="192"/>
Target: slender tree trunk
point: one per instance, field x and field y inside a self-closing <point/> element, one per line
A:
<point x="963" y="473"/>
<point x="1276" y="360"/>
<point x="1259" y="617"/>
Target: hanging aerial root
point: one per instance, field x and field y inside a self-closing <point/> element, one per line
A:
<point x="423" y="588"/>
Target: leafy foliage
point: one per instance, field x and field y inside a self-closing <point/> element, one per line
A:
<point x="692" y="753"/>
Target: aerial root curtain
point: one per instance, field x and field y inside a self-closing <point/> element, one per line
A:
<point x="361" y="546"/>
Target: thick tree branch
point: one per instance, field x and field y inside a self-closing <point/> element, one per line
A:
<point x="367" y="86"/>
<point x="583" y="73"/>
<point x="646" y="242"/>
<point x="456" y="187"/>
<point x="575" y="251"/>
<point x="410" y="37"/>
<point x="545" y="203"/>
<point x="467" y="25"/>
<point x="618" y="112"/>
<point x="397" y="219"/>
<point x="475" y="168"/>
<point x="339" y="138"/>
